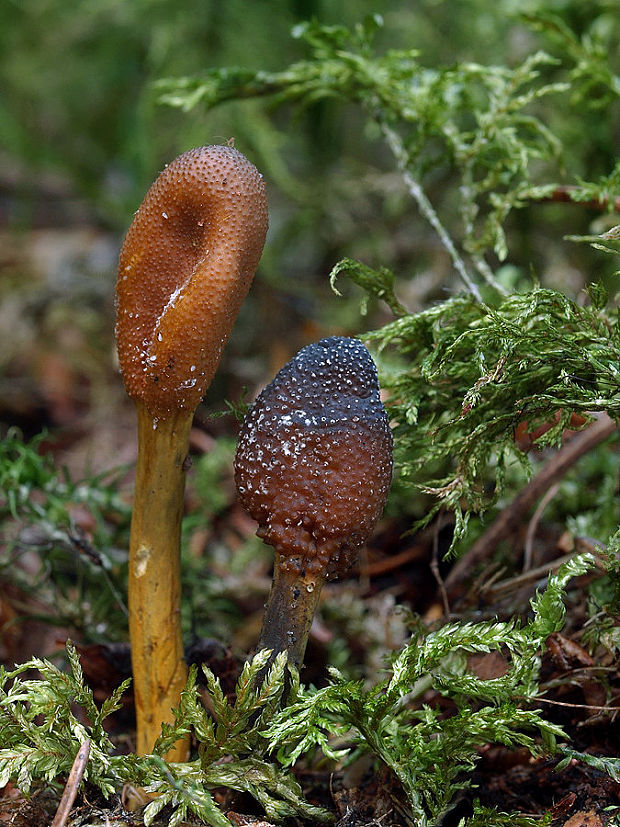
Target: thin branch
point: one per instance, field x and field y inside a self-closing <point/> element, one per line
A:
<point x="396" y="561"/>
<point x="494" y="590"/>
<point x="563" y="194"/>
<point x="426" y="208"/>
<point x="578" y="706"/>
<point x="487" y="274"/>
<point x="73" y="784"/>
<point x="528" y="548"/>
<point x="509" y="520"/>
<point x="435" y="568"/>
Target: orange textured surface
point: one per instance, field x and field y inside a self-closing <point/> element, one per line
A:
<point x="314" y="457"/>
<point x="185" y="267"/>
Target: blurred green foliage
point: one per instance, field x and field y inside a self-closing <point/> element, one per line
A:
<point x="75" y="580"/>
<point x="451" y="147"/>
<point x="82" y="92"/>
<point x="77" y="78"/>
<point x="78" y="97"/>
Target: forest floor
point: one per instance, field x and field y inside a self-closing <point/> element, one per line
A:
<point x="58" y="374"/>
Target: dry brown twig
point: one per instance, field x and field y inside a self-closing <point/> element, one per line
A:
<point x="528" y="546"/>
<point x="73" y="784"/>
<point x="508" y="521"/>
<point x="495" y="589"/>
<point x="563" y="194"/>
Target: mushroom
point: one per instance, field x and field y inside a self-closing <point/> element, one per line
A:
<point x="313" y="467"/>
<point x="185" y="267"/>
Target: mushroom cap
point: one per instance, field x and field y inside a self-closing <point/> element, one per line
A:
<point x="314" y="458"/>
<point x="185" y="267"/>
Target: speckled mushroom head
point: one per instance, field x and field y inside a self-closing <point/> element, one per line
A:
<point x="185" y="268"/>
<point x="314" y="457"/>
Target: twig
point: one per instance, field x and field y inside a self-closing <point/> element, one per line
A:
<point x="435" y="569"/>
<point x="578" y="706"/>
<point x="510" y="518"/>
<point x="379" y="567"/>
<point x="72" y="786"/>
<point x="530" y="576"/>
<point x="426" y="208"/>
<point x="563" y="194"/>
<point x="528" y="547"/>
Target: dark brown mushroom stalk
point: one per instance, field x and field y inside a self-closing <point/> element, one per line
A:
<point x="185" y="267"/>
<point x="313" y="468"/>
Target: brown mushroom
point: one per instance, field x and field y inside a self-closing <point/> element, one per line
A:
<point x="313" y="468"/>
<point x="185" y="267"/>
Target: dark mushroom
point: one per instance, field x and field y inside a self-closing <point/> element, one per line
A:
<point x="313" y="468"/>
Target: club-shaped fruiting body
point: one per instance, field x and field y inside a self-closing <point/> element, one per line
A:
<point x="185" y="267"/>
<point x="313" y="467"/>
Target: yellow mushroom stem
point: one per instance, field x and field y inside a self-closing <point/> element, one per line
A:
<point x="158" y="664"/>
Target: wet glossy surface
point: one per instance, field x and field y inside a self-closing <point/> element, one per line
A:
<point x="314" y="457"/>
<point x="185" y="267"/>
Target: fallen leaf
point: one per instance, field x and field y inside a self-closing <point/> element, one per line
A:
<point x="584" y="819"/>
